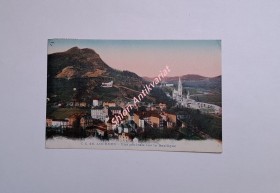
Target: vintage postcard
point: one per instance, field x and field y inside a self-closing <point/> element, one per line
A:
<point x="163" y="95"/>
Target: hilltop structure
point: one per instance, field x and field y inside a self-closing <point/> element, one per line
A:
<point x="107" y="84"/>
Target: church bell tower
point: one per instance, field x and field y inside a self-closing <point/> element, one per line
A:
<point x="180" y="88"/>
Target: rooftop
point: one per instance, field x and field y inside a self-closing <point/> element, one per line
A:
<point x="144" y="114"/>
<point x="97" y="107"/>
<point x="115" y="108"/>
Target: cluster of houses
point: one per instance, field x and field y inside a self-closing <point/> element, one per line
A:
<point x="81" y="120"/>
<point x="101" y="115"/>
<point x="150" y="115"/>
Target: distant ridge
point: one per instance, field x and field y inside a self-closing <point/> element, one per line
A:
<point x="187" y="77"/>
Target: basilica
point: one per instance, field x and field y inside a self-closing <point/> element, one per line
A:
<point x="183" y="101"/>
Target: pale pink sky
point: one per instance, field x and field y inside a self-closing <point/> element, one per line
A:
<point x="148" y="57"/>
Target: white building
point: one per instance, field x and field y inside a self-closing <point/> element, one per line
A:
<point x="94" y="102"/>
<point x="59" y="123"/>
<point x="99" y="112"/>
<point x="142" y="123"/>
<point x="107" y="84"/>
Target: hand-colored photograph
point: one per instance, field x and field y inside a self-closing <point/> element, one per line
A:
<point x="158" y="95"/>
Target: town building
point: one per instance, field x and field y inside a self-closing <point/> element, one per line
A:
<point x="115" y="110"/>
<point x="94" y="102"/>
<point x="109" y="104"/>
<point x="125" y="137"/>
<point x="99" y="112"/>
<point x="131" y="115"/>
<point x="101" y="131"/>
<point x="86" y="121"/>
<point x="150" y="117"/>
<point x="74" y="120"/>
<point x="59" y="123"/>
<point x="110" y="125"/>
<point x="171" y="119"/>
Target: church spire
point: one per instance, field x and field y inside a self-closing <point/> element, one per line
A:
<point x="180" y="87"/>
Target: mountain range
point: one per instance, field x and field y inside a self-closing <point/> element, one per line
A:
<point x="193" y="80"/>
